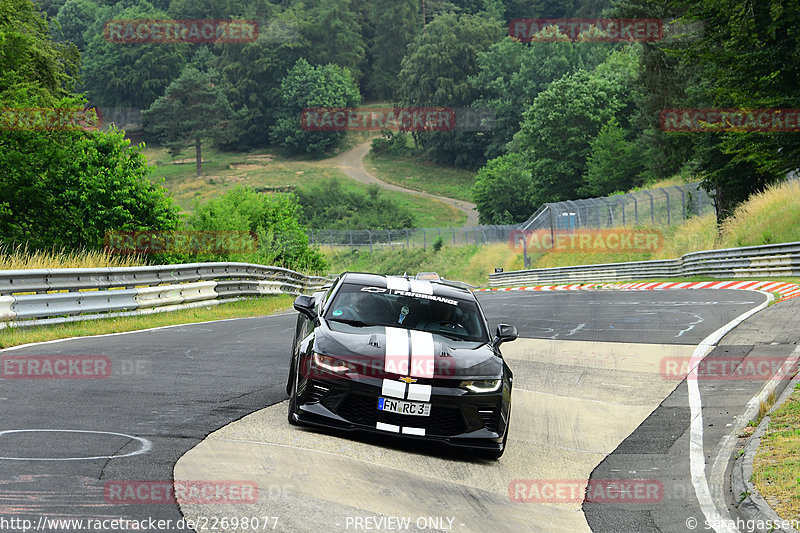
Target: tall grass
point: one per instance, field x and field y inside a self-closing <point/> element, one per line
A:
<point x="20" y="257"/>
<point x="769" y="217"/>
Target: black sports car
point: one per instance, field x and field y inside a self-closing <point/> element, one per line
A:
<point x="394" y="355"/>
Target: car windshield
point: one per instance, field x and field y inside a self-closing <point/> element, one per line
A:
<point x="455" y="318"/>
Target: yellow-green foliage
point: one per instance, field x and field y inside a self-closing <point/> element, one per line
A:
<point x="22" y="258"/>
<point x="693" y="235"/>
<point x="766" y="218"/>
<point x="464" y="263"/>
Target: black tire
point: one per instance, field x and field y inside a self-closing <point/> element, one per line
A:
<point x="293" y="398"/>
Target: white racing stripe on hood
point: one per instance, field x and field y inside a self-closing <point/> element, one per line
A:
<point x="422" y="360"/>
<point x="418" y="392"/>
<point x="396" y="358"/>
<point x="395" y="389"/>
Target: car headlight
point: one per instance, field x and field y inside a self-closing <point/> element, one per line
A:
<point x="331" y="364"/>
<point x="481" y="385"/>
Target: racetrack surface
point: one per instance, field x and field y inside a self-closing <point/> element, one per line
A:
<point x="586" y="376"/>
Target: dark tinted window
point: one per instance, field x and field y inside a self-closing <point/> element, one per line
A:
<point x="452" y="317"/>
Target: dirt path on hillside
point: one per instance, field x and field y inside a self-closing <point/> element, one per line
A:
<point x="352" y="164"/>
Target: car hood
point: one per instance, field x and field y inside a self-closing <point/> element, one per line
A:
<point x="367" y="346"/>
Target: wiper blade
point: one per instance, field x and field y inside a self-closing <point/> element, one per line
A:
<point x="449" y="336"/>
<point x="350" y="322"/>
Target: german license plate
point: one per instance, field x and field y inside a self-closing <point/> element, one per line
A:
<point x="403" y="407"/>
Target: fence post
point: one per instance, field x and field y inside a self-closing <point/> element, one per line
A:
<point x="635" y="210"/>
<point x="369" y="233"/>
<point x="683" y="202"/>
<point x="454" y="235"/>
<point x="652" y="215"/>
<point x="669" y="218"/>
<point x="408" y="244"/>
<point x="424" y="241"/>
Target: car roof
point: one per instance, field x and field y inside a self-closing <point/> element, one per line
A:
<point x="380" y="280"/>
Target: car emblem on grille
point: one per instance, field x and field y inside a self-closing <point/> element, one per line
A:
<point x="408" y="379"/>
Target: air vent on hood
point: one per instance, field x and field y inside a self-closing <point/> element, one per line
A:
<point x="373" y="341"/>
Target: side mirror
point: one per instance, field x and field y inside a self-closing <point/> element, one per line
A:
<point x="504" y="333"/>
<point x="307" y="306"/>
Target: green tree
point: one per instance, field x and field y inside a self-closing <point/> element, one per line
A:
<point x="335" y="31"/>
<point x="502" y="191"/>
<point x="33" y="69"/>
<point x="396" y="25"/>
<point x="194" y="107"/>
<point x="63" y="188"/>
<point x="614" y="163"/>
<point x="130" y="74"/>
<point x="748" y="55"/>
<point x="254" y="72"/>
<point x="436" y="71"/>
<point x="557" y="130"/>
<point x="512" y="73"/>
<point x="68" y="189"/>
<point x="73" y="19"/>
<point x="304" y="87"/>
<point x="282" y="240"/>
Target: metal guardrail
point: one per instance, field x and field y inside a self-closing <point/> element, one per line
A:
<point x="752" y="261"/>
<point x="47" y="296"/>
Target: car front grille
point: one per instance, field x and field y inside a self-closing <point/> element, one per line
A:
<point x="444" y="420"/>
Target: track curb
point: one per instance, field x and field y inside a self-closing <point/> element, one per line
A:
<point x="786" y="290"/>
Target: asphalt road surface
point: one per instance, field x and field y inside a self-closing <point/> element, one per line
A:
<point x="586" y="377"/>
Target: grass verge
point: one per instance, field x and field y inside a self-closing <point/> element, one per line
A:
<point x="243" y="308"/>
<point x="268" y="171"/>
<point x="414" y="172"/>
<point x="20" y="258"/>
<point x="776" y="466"/>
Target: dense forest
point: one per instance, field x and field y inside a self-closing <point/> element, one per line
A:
<point x="569" y="118"/>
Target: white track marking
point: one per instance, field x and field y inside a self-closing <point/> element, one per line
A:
<point x="146" y="445"/>
<point x="697" y="461"/>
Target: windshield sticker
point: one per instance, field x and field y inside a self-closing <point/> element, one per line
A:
<point x="373" y="289"/>
<point x="338" y="312"/>
<point x="431" y="297"/>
